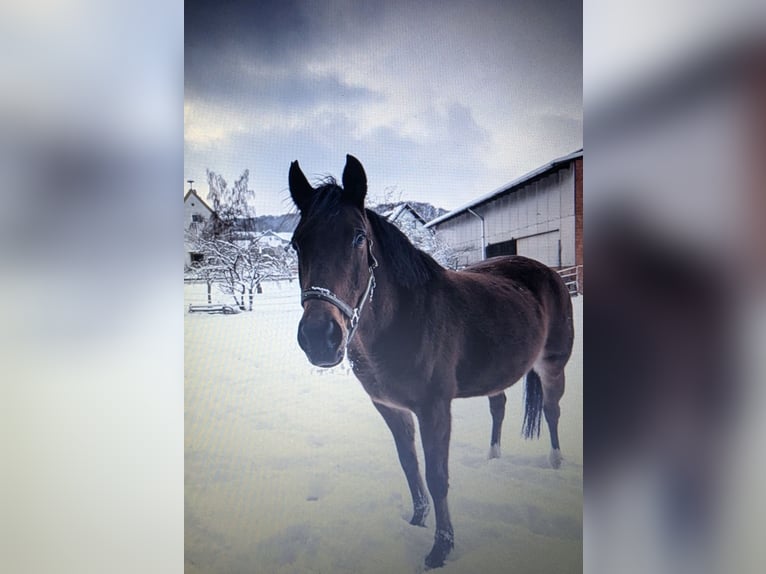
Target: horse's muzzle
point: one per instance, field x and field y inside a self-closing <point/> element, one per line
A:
<point x="321" y="338"/>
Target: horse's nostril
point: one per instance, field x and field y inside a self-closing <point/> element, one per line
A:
<point x="320" y="337"/>
<point x="303" y="339"/>
<point x="334" y="335"/>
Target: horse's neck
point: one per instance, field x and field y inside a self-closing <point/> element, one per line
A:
<point x="389" y="308"/>
<point x="392" y="298"/>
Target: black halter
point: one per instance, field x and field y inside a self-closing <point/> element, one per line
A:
<point x="352" y="314"/>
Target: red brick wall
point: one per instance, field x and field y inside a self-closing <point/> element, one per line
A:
<point x="578" y="212"/>
<point x="578" y="223"/>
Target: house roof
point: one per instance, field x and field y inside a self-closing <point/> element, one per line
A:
<point x="283" y="236"/>
<point x="395" y="213"/>
<point x="509" y="187"/>
<point x="196" y="195"/>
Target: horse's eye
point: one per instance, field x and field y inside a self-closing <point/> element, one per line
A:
<point x="359" y="239"/>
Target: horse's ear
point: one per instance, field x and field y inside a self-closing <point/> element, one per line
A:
<point x="354" y="181"/>
<point x="300" y="188"/>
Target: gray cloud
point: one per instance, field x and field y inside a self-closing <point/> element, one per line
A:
<point x="451" y="99"/>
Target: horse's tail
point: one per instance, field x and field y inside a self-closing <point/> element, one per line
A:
<point x="533" y="408"/>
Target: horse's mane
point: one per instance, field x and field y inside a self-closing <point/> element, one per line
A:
<point x="325" y="200"/>
<point x="409" y="266"/>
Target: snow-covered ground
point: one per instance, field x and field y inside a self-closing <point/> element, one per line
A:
<point x="290" y="469"/>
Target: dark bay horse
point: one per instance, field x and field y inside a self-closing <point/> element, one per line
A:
<point x="418" y="335"/>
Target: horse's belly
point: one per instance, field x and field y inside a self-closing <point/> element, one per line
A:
<point x="487" y="379"/>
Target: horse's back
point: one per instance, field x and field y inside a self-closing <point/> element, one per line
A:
<point x="535" y="276"/>
<point x="546" y="286"/>
<point x="514" y="313"/>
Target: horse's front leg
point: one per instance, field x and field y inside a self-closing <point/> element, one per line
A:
<point x="402" y="427"/>
<point x="435" y="424"/>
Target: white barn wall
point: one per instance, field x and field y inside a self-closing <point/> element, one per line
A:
<point x="539" y="215"/>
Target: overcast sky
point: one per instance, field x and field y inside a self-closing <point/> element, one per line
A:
<point x="440" y="101"/>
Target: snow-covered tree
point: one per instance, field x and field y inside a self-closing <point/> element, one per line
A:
<point x="426" y="240"/>
<point x="239" y="267"/>
<point x="421" y="237"/>
<point x="233" y="255"/>
<point x="233" y="210"/>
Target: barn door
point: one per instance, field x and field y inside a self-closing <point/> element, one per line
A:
<point x="501" y="248"/>
<point x="545" y="247"/>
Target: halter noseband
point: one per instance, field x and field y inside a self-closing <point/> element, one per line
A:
<point x="352" y="314"/>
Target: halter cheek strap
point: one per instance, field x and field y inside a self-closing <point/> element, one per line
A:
<point x="352" y="314"/>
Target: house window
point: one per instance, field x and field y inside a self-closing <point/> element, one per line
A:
<point x="196" y="257"/>
<point x="197" y="218"/>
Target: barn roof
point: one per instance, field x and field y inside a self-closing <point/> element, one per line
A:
<point x="509" y="187"/>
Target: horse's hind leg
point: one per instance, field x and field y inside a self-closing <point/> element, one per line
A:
<point x="497" y="410"/>
<point x="403" y="428"/>
<point x="553" y="390"/>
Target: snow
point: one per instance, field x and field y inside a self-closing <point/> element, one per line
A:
<point x="289" y="468"/>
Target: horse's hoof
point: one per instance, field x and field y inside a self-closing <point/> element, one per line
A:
<point x="494" y="451"/>
<point x="433" y="562"/>
<point x="420" y="514"/>
<point x="443" y="543"/>
<point x="555" y="457"/>
<point x="435" y="558"/>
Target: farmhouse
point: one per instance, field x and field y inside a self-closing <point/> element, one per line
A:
<point x="274" y="239"/>
<point x="404" y="215"/>
<point x="539" y="215"/>
<point x="196" y="215"/>
<point x="412" y="224"/>
<point x="196" y="210"/>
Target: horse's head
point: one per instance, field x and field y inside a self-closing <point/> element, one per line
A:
<point x="335" y="262"/>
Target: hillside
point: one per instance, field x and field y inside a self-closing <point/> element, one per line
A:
<point x="279" y="223"/>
